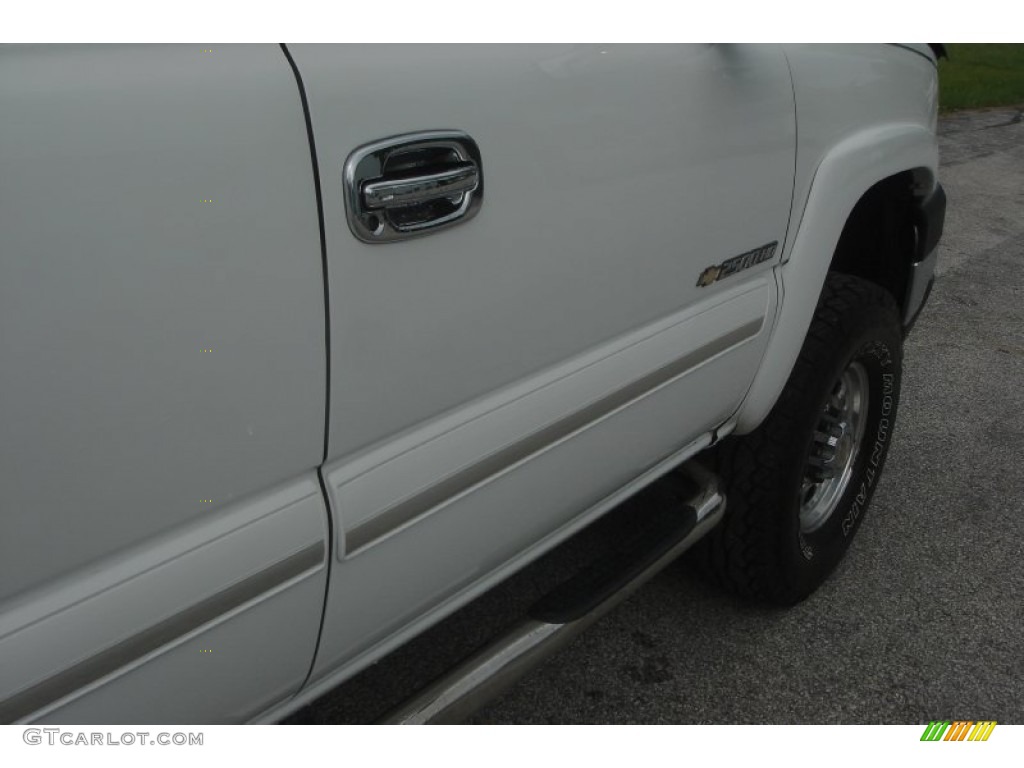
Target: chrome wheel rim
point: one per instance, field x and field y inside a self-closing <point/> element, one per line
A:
<point x="836" y="446"/>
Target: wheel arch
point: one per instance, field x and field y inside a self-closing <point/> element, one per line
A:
<point x="872" y="176"/>
<point x="881" y="236"/>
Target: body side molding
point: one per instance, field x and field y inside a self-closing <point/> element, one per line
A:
<point x="150" y="639"/>
<point x="390" y="519"/>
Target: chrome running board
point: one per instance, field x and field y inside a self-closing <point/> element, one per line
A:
<point x="570" y="608"/>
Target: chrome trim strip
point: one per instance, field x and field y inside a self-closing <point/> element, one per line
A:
<point x="366" y="533"/>
<point x="121" y="654"/>
<point x="387" y="193"/>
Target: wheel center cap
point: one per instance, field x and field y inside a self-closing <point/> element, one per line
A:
<point x="836" y="444"/>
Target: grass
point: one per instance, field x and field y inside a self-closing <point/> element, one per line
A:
<point x="981" y="75"/>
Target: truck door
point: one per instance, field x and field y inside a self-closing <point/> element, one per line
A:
<point x="162" y="384"/>
<point x="600" y="305"/>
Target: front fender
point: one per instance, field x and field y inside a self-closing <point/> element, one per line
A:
<point x="846" y="172"/>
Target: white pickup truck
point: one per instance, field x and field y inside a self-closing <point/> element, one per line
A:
<point x="304" y="347"/>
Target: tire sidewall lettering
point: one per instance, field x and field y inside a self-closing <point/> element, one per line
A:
<point x="877" y="453"/>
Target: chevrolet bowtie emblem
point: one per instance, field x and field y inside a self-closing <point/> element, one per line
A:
<point x="736" y="264"/>
<point x="708" y="276"/>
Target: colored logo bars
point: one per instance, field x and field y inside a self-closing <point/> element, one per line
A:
<point x="959" y="730"/>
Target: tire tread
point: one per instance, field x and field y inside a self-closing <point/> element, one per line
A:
<point x="739" y="554"/>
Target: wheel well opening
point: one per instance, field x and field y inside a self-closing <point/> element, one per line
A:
<point x="879" y="238"/>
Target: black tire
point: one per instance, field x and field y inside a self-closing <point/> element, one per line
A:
<point x="762" y="549"/>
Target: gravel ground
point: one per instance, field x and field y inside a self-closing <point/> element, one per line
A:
<point x="925" y="617"/>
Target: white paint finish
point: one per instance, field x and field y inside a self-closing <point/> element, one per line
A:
<point x="90" y="610"/>
<point x="613" y="176"/>
<point x="403" y="468"/>
<point x="114" y="277"/>
<point x="849" y="171"/>
<point x="319" y="685"/>
<point x="603" y="203"/>
<point x="456" y="549"/>
<point x="253" y="660"/>
<point x="924" y="49"/>
<point x="883" y="124"/>
<point x="844" y="90"/>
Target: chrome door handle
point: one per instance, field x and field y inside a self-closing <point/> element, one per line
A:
<point x="412" y="185"/>
<point x="392" y="193"/>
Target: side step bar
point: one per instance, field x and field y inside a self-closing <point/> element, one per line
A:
<point x="668" y="530"/>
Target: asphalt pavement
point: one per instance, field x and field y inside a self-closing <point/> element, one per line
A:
<point x="923" y="620"/>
